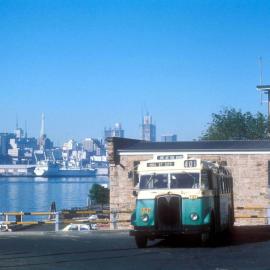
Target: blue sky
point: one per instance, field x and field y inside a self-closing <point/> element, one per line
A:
<point x="89" y="64"/>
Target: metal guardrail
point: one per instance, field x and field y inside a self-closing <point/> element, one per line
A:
<point x="114" y="216"/>
<point x="56" y="215"/>
<point x="254" y="208"/>
<point x="251" y="208"/>
<point x="26" y="213"/>
<point x="85" y="212"/>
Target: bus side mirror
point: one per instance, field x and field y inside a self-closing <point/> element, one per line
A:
<point x="130" y="174"/>
<point x="135" y="179"/>
<point x="135" y="193"/>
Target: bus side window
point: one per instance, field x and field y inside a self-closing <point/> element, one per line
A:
<point x="226" y="184"/>
<point x="214" y="180"/>
<point x="135" y="174"/>
<point x="223" y="184"/>
<point x="230" y="184"/>
<point x="221" y="191"/>
<point x="210" y="180"/>
<point x="204" y="180"/>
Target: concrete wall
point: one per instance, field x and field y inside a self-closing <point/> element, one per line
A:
<point x="250" y="183"/>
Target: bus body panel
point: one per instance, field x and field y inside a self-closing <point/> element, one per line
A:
<point x="202" y="206"/>
<point x="225" y="204"/>
<point x="145" y="206"/>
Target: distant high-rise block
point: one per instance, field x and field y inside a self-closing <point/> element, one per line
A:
<point x="169" y="138"/>
<point x="94" y="146"/>
<point x="148" y="129"/>
<point x="116" y="131"/>
<point x="4" y="142"/>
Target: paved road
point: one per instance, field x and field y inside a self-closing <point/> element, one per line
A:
<point x="248" y="248"/>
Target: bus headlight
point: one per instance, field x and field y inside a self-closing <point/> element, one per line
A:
<point x="194" y="216"/>
<point x="145" y="218"/>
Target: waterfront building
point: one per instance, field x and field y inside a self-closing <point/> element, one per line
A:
<point x="70" y="145"/>
<point x="19" y="133"/>
<point x="16" y="149"/>
<point x="93" y="146"/>
<point x="4" y="142"/>
<point x="22" y="150"/>
<point x="169" y="138"/>
<point x="116" y="131"/>
<point x="45" y="143"/>
<point x="148" y="129"/>
<point x="67" y="149"/>
<point x="5" y="146"/>
<point x="88" y="144"/>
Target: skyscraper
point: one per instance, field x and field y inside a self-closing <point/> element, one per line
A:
<point x="169" y="138"/>
<point x="116" y="131"/>
<point x="148" y="129"/>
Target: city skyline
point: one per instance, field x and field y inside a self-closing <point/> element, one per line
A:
<point x="115" y="130"/>
<point x="87" y="65"/>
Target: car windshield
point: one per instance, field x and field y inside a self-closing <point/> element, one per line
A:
<point x="185" y="180"/>
<point x="154" y="181"/>
<point x="84" y="228"/>
<point x="73" y="227"/>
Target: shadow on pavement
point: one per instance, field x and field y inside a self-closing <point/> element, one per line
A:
<point x="239" y="236"/>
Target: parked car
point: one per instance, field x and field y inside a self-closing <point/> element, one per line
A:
<point x="93" y="226"/>
<point x="4" y="228"/>
<point x="93" y="217"/>
<point x="77" y="227"/>
<point x="98" y="216"/>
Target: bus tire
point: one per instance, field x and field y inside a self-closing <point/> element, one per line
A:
<point x="231" y="218"/>
<point x="209" y="238"/>
<point x="141" y="241"/>
<point x="230" y="221"/>
<point x="212" y="233"/>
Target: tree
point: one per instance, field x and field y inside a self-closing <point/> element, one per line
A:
<point x="99" y="194"/>
<point x="230" y="124"/>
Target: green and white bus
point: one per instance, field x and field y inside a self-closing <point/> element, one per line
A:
<point x="179" y="195"/>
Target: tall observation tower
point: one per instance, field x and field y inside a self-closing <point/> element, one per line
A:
<point x="42" y="129"/>
<point x="42" y="136"/>
<point x="265" y="89"/>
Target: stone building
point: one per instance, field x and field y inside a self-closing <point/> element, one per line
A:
<point x="249" y="162"/>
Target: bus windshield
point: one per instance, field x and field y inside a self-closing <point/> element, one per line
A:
<point x="185" y="180"/>
<point x="154" y="181"/>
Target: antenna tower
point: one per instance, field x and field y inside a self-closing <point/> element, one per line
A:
<point x="264" y="89"/>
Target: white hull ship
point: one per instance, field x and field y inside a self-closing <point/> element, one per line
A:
<point x="51" y="169"/>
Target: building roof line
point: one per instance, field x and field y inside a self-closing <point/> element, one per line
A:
<point x="131" y="153"/>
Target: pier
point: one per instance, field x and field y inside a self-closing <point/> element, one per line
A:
<point x="17" y="170"/>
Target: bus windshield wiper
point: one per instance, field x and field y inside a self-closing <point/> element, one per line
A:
<point x="150" y="179"/>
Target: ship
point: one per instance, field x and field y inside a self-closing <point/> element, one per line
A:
<point x="101" y="165"/>
<point x="47" y="168"/>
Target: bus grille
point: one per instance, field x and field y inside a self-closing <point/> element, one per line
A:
<point x="168" y="213"/>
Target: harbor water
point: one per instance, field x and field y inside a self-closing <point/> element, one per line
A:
<point x="29" y="194"/>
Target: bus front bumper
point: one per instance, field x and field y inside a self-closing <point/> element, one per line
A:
<point x="152" y="232"/>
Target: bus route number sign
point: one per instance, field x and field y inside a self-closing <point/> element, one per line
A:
<point x="190" y="163"/>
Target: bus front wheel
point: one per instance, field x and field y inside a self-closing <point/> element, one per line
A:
<point x="141" y="241"/>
